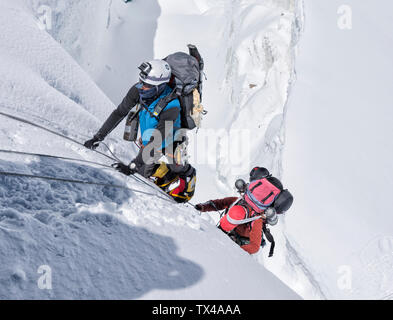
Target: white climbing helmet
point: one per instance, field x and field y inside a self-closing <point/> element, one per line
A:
<point x="155" y="72"/>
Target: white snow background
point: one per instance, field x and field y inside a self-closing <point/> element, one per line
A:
<point x="338" y="150"/>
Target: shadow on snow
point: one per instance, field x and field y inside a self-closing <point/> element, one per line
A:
<point x="91" y="255"/>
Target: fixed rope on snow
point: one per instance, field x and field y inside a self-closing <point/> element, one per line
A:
<point x="24" y="175"/>
<point x="53" y="157"/>
<point x="70" y="159"/>
<point x="115" y="158"/>
<point x="50" y="131"/>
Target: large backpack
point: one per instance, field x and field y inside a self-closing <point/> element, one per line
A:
<point x="187" y="70"/>
<point x="261" y="193"/>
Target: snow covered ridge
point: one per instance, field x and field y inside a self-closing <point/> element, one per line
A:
<point x="70" y="241"/>
<point x="249" y="48"/>
<point x="339" y="127"/>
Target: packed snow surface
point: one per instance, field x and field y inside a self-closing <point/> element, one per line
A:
<point x="338" y="153"/>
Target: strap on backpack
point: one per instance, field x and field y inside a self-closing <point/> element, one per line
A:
<point x="144" y="106"/>
<point x="164" y="102"/>
<point x="224" y="212"/>
<point x="269" y="238"/>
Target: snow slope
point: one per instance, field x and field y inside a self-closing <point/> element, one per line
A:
<point x="245" y="43"/>
<point x="109" y="41"/>
<point x="338" y="154"/>
<point x="98" y="242"/>
<point x="337" y="126"/>
<point x="249" y="49"/>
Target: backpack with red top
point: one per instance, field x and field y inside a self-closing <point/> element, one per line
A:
<point x="266" y="191"/>
<point x="264" y="194"/>
<point x="260" y="194"/>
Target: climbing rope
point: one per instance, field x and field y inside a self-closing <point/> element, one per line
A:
<point x="71" y="139"/>
<point x="50" y="131"/>
<point x="115" y="158"/>
<point x="78" y="160"/>
<point x="31" y="176"/>
<point x="110" y="151"/>
<point x="53" y="157"/>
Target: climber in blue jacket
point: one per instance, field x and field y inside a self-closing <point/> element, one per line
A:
<point x="153" y="88"/>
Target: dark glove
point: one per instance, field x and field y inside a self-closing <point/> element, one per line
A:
<point x="121" y="167"/>
<point x="206" y="206"/>
<point x="92" y="143"/>
<point x="198" y="207"/>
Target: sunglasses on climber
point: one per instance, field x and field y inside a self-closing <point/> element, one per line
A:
<point x="146" y="86"/>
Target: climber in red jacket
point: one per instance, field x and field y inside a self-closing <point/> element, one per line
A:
<point x="239" y="233"/>
<point x="245" y="218"/>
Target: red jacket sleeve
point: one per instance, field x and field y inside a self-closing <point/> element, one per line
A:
<point x="255" y="237"/>
<point x="218" y="204"/>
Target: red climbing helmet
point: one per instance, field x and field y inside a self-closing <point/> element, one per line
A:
<point x="259" y="173"/>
